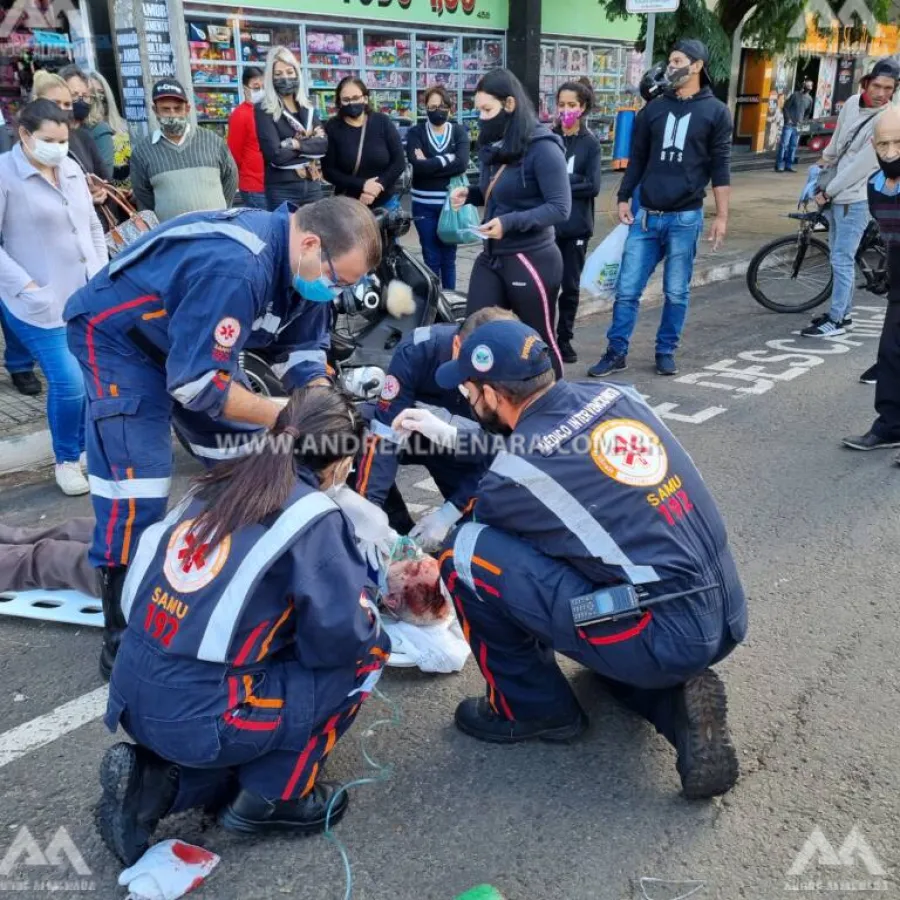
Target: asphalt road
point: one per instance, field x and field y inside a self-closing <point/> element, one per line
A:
<point x="814" y="695"/>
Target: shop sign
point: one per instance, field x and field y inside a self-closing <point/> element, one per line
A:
<point x="643" y="7"/>
<point x="493" y="14"/>
<point x="748" y="98"/>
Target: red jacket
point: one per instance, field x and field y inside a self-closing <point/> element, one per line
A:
<point x="244" y="148"/>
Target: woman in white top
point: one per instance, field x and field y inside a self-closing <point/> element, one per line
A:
<point x="52" y="245"/>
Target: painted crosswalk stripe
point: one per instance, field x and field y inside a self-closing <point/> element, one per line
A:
<point x="427" y="485"/>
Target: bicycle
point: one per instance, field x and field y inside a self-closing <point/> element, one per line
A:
<point x="792" y="274"/>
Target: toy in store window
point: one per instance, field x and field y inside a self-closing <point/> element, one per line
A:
<point x="563" y="59"/>
<point x="255" y="45"/>
<point x="441" y="55"/>
<point x="548" y="59"/>
<point x="578" y="61"/>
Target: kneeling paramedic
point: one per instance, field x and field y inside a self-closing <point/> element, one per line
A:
<point x="159" y="333"/>
<point x="410" y="383"/>
<point x="593" y="536"/>
<point x="250" y="641"/>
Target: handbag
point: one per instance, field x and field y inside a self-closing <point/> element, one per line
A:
<point x="455" y="225"/>
<point x="137" y="223"/>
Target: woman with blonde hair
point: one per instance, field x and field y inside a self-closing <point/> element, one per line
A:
<point x="290" y="135"/>
<point x="107" y="127"/>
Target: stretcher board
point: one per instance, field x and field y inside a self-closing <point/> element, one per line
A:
<point x="63" y="607"/>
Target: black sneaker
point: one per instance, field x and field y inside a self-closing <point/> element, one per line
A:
<point x="567" y="351"/>
<point x="251" y="813"/>
<point x="665" y="364"/>
<point x="609" y="362"/>
<point x="870" y="376"/>
<point x="847" y="323"/>
<point x="26" y="383"/>
<point x="869" y="441"/>
<point x="707" y="761"/>
<point x="823" y="326"/>
<point x="476" y="718"/>
<point x="139" y="788"/>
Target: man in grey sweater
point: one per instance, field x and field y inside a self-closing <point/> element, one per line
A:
<point x="180" y="169"/>
<point x="851" y="155"/>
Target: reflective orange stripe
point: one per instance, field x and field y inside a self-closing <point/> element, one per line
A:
<point x="113" y="390"/>
<point x="126" y="541"/>
<point x="445" y="555"/>
<point x="332" y="740"/>
<point x="312" y="780"/>
<point x="260" y="702"/>
<point x="363" y="481"/>
<point x="469" y="506"/>
<point x="264" y="649"/>
<point x="377" y="651"/>
<point x="486" y="565"/>
<point x="153" y="315"/>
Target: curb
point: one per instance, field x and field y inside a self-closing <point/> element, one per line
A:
<point x="33" y="450"/>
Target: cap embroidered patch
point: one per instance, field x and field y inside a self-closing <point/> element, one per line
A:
<point x="482" y="358"/>
<point x="391" y="389"/>
<point x="228" y="331"/>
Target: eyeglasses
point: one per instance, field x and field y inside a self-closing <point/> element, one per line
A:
<point x="359" y="98"/>
<point x="77" y="97"/>
<point x="431" y="108"/>
<point x="337" y="282"/>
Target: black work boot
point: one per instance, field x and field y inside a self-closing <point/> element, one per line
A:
<point x="26" y="383"/>
<point x="707" y="761"/>
<point x="111" y="580"/>
<point x="476" y="718"/>
<point x="139" y="788"/>
<point x="251" y="813"/>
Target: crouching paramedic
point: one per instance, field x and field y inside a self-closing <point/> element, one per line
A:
<point x="159" y="332"/>
<point x="250" y="642"/>
<point x="594" y="510"/>
<point x="411" y="381"/>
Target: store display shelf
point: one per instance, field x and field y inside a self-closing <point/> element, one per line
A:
<point x="207" y="121"/>
<point x="349" y="65"/>
<point x="215" y="86"/>
<point x="213" y="62"/>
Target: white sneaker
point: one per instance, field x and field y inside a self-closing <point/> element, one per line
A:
<point x="71" y="479"/>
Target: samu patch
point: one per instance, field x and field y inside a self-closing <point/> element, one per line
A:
<point x="391" y="389"/>
<point x="228" y="331"/>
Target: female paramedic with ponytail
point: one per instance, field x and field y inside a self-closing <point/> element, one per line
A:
<point x="574" y="101"/>
<point x="250" y="643"/>
<point x="524" y="188"/>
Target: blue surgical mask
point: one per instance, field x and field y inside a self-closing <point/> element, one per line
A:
<point x="319" y="290"/>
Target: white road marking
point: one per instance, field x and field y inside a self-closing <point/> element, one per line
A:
<point x="428" y="485"/>
<point x="47" y="728"/>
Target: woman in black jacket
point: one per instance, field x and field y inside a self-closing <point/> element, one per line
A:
<point x="574" y="101"/>
<point x="365" y="154"/>
<point x="438" y="150"/>
<point x="290" y="135"/>
<point x="524" y="188"/>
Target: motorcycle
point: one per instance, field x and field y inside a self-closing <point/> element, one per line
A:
<point x="371" y="318"/>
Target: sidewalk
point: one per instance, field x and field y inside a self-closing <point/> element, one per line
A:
<point x="759" y="202"/>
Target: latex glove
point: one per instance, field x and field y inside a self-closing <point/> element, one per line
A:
<point x="427" y="424"/>
<point x="168" y="870"/>
<point x="281" y="402"/>
<point x="429" y="532"/>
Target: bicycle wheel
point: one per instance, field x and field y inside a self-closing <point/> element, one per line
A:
<point x="791" y="274"/>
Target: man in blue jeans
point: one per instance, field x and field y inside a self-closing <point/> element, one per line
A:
<point x="797" y="107"/>
<point x="682" y="140"/>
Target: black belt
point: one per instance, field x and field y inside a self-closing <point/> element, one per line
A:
<point x="147" y="347"/>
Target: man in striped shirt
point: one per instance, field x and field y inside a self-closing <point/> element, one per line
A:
<point x="180" y="169"/>
<point x="884" y="204"/>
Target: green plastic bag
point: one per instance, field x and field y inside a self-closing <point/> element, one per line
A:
<point x="453" y="224"/>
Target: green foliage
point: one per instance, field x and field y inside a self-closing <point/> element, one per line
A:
<point x="768" y="25"/>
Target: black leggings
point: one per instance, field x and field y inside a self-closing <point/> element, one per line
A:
<point x="526" y="283"/>
<point x="574" y="252"/>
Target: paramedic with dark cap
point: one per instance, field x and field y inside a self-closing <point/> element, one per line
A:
<point x="159" y="332"/>
<point x="682" y="141"/>
<point x="593" y="509"/>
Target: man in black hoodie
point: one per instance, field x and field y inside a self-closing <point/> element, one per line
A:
<point x="682" y="140"/>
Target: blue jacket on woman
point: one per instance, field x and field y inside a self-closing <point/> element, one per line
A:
<point x="530" y="197"/>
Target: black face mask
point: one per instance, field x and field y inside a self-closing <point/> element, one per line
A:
<point x="286" y="87"/>
<point x="678" y="77"/>
<point x="353" y="110"/>
<point x="890" y="167"/>
<point x="490" y="421"/>
<point x="81" y="109"/>
<point x="493" y="130"/>
<point x="438" y="116"/>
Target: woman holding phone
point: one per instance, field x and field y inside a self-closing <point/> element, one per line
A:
<point x="524" y="188"/>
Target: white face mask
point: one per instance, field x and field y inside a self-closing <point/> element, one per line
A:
<point x="464" y="391"/>
<point x="339" y="482"/>
<point x="257" y="96"/>
<point x="48" y="154"/>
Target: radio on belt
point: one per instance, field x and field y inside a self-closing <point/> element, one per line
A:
<point x="606" y="605"/>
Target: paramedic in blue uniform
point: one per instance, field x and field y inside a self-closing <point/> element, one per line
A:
<point x="410" y="382"/>
<point x="250" y="641"/>
<point x="158" y="334"/>
<point x="593" y="492"/>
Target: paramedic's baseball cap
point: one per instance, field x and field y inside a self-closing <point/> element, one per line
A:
<point x="695" y="50"/>
<point x="497" y="351"/>
<point x="169" y="88"/>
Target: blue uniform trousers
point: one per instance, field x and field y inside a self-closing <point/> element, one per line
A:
<point x="267" y="730"/>
<point x="128" y="435"/>
<point x="513" y="604"/>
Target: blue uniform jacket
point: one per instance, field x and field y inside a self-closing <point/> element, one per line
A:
<point x="593" y="477"/>
<point x="201" y="288"/>
<point x="410" y="380"/>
